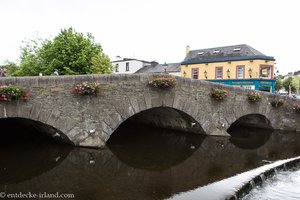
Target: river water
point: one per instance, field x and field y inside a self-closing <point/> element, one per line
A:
<point x="138" y="163"/>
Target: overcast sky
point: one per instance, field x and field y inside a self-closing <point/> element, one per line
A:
<point x="158" y="29"/>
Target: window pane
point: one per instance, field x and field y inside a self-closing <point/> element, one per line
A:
<point x="219" y="72"/>
<point x="265" y="71"/>
<point x="195" y="73"/>
<point x="117" y="67"/>
<point x="240" y="72"/>
<point x="127" y="66"/>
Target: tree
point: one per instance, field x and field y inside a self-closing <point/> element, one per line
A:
<point x="101" y="64"/>
<point x="278" y="84"/>
<point x="69" y="53"/>
<point x="296" y="83"/>
<point x="288" y="84"/>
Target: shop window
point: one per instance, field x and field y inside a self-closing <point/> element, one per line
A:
<point x="265" y="71"/>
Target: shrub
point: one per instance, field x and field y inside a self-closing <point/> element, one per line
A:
<point x="87" y="88"/>
<point x="277" y="103"/>
<point x="219" y="94"/>
<point x="254" y="96"/>
<point x="163" y="82"/>
<point x="11" y="92"/>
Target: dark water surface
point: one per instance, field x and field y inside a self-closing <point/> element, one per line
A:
<point x="139" y="162"/>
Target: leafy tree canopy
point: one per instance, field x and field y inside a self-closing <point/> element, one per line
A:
<point x="278" y="84"/>
<point x="69" y="53"/>
<point x="288" y="84"/>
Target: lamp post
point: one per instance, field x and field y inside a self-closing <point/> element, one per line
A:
<point x="165" y="67"/>
<point x="228" y="73"/>
<point x="205" y="74"/>
<point x="250" y="72"/>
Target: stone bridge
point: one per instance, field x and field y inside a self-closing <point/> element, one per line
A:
<point x="90" y="120"/>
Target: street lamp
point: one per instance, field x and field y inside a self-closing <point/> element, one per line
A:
<point x="228" y="73"/>
<point x="250" y="72"/>
<point x="205" y="74"/>
<point x="165" y="67"/>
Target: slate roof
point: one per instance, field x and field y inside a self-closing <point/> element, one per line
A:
<point x="160" y="68"/>
<point x="222" y="54"/>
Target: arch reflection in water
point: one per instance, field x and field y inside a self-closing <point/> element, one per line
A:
<point x="25" y="152"/>
<point x="249" y="138"/>
<point x="151" y="148"/>
<point x="250" y="131"/>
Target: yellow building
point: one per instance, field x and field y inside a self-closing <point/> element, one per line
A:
<point x="225" y="64"/>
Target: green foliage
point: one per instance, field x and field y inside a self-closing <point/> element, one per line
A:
<point x="288" y="83"/>
<point x="11" y="67"/>
<point x="296" y="83"/>
<point x="218" y="94"/>
<point x="101" y="65"/>
<point x="278" y="84"/>
<point x="11" y="92"/>
<point x="277" y="103"/>
<point x="69" y="53"/>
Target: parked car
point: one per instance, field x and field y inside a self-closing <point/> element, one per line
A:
<point x="284" y="94"/>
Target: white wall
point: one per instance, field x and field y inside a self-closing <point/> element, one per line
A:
<point x="134" y="65"/>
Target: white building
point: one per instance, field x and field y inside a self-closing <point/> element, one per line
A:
<point x="128" y="65"/>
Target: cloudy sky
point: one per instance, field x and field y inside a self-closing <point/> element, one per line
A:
<point x="158" y="29"/>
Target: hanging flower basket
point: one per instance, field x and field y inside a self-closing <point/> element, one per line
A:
<point x="87" y="88"/>
<point x="163" y="82"/>
<point x="11" y="92"/>
<point x="218" y="94"/>
<point x="277" y="103"/>
<point x="254" y="96"/>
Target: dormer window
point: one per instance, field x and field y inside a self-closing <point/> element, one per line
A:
<point x="200" y="53"/>
<point x="216" y="51"/>
<point x="236" y="49"/>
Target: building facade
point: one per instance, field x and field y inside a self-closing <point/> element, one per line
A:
<point x="128" y="65"/>
<point x="237" y="65"/>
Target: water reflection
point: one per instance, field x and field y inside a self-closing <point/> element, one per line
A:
<point x="249" y="138"/>
<point x="26" y="153"/>
<point x="153" y="148"/>
<point x="155" y="164"/>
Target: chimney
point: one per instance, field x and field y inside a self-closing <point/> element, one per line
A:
<point x="187" y="49"/>
<point x="118" y="58"/>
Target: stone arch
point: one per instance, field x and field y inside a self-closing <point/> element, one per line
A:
<point x="165" y="117"/>
<point x="252" y="120"/>
<point x="48" y="130"/>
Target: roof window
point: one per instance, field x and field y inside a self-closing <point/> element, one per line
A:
<point x="236" y="49"/>
<point x="216" y="51"/>
<point x="200" y="53"/>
